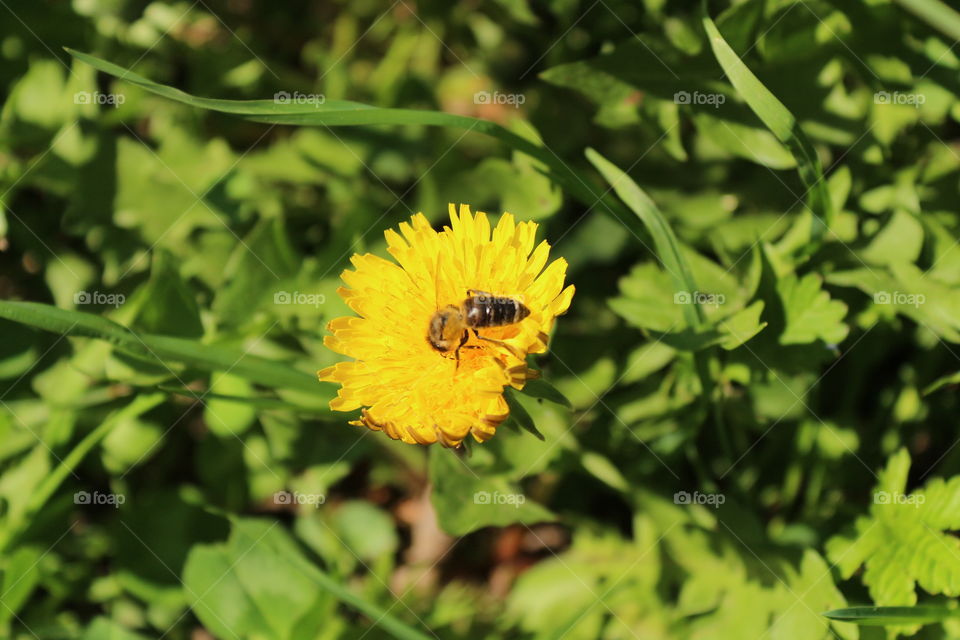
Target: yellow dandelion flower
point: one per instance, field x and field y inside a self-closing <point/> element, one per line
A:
<point x="405" y="386"/>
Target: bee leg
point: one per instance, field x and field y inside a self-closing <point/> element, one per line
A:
<point x="513" y="350"/>
<point x="463" y="339"/>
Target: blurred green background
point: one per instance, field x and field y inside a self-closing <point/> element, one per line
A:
<point x="729" y="477"/>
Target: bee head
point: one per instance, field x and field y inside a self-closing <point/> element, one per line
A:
<point x="447" y="329"/>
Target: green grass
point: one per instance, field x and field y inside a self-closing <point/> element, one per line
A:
<point x="744" y="425"/>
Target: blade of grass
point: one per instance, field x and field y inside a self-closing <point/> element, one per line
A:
<point x="154" y="348"/>
<point x="784" y="126"/>
<point x="255" y="401"/>
<point x="332" y="113"/>
<point x="882" y="616"/>
<point x="936" y="14"/>
<point x="668" y="250"/>
<point x="665" y="241"/>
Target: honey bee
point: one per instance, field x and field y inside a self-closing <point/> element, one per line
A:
<point x="450" y="327"/>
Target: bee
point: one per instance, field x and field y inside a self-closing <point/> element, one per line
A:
<point x="450" y="327"/>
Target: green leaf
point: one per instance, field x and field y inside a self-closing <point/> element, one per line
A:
<point x="742" y="326"/>
<point x="21" y="575"/>
<point x="810" y="313"/>
<point x="157" y="349"/>
<point x="165" y="304"/>
<point x="259" y="584"/>
<point x="467" y="499"/>
<point x="941" y="382"/>
<point x="904" y="288"/>
<point x="885" y="616"/>
<point x="745" y="141"/>
<point x="900" y="240"/>
<point x="16" y="521"/>
<point x="259" y="270"/>
<point x="905" y="541"/>
<point x="936" y="14"/>
<point x="784" y="126"/>
<point x="342" y="113"/>
<point x="543" y="390"/>
<point x="106" y="629"/>
<point x="224" y="417"/>
<point x="520" y="415"/>
<point x="665" y="241"/>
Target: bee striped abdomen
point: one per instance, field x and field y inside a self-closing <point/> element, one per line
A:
<point x="485" y="310"/>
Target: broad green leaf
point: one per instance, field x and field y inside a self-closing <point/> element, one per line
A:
<point x="903" y="288"/>
<point x="810" y="591"/>
<point x="741" y="326"/>
<point x="369" y="532"/>
<point x="106" y="629"/>
<point x="900" y="240"/>
<point x="810" y="312"/>
<point x="21" y="574"/>
<point x="258" y="273"/>
<point x="164" y="304"/>
<point x="259" y="584"/>
<point x="467" y="499"/>
<point x="224" y="417"/>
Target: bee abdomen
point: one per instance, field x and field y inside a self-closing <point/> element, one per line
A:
<point x="493" y="311"/>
